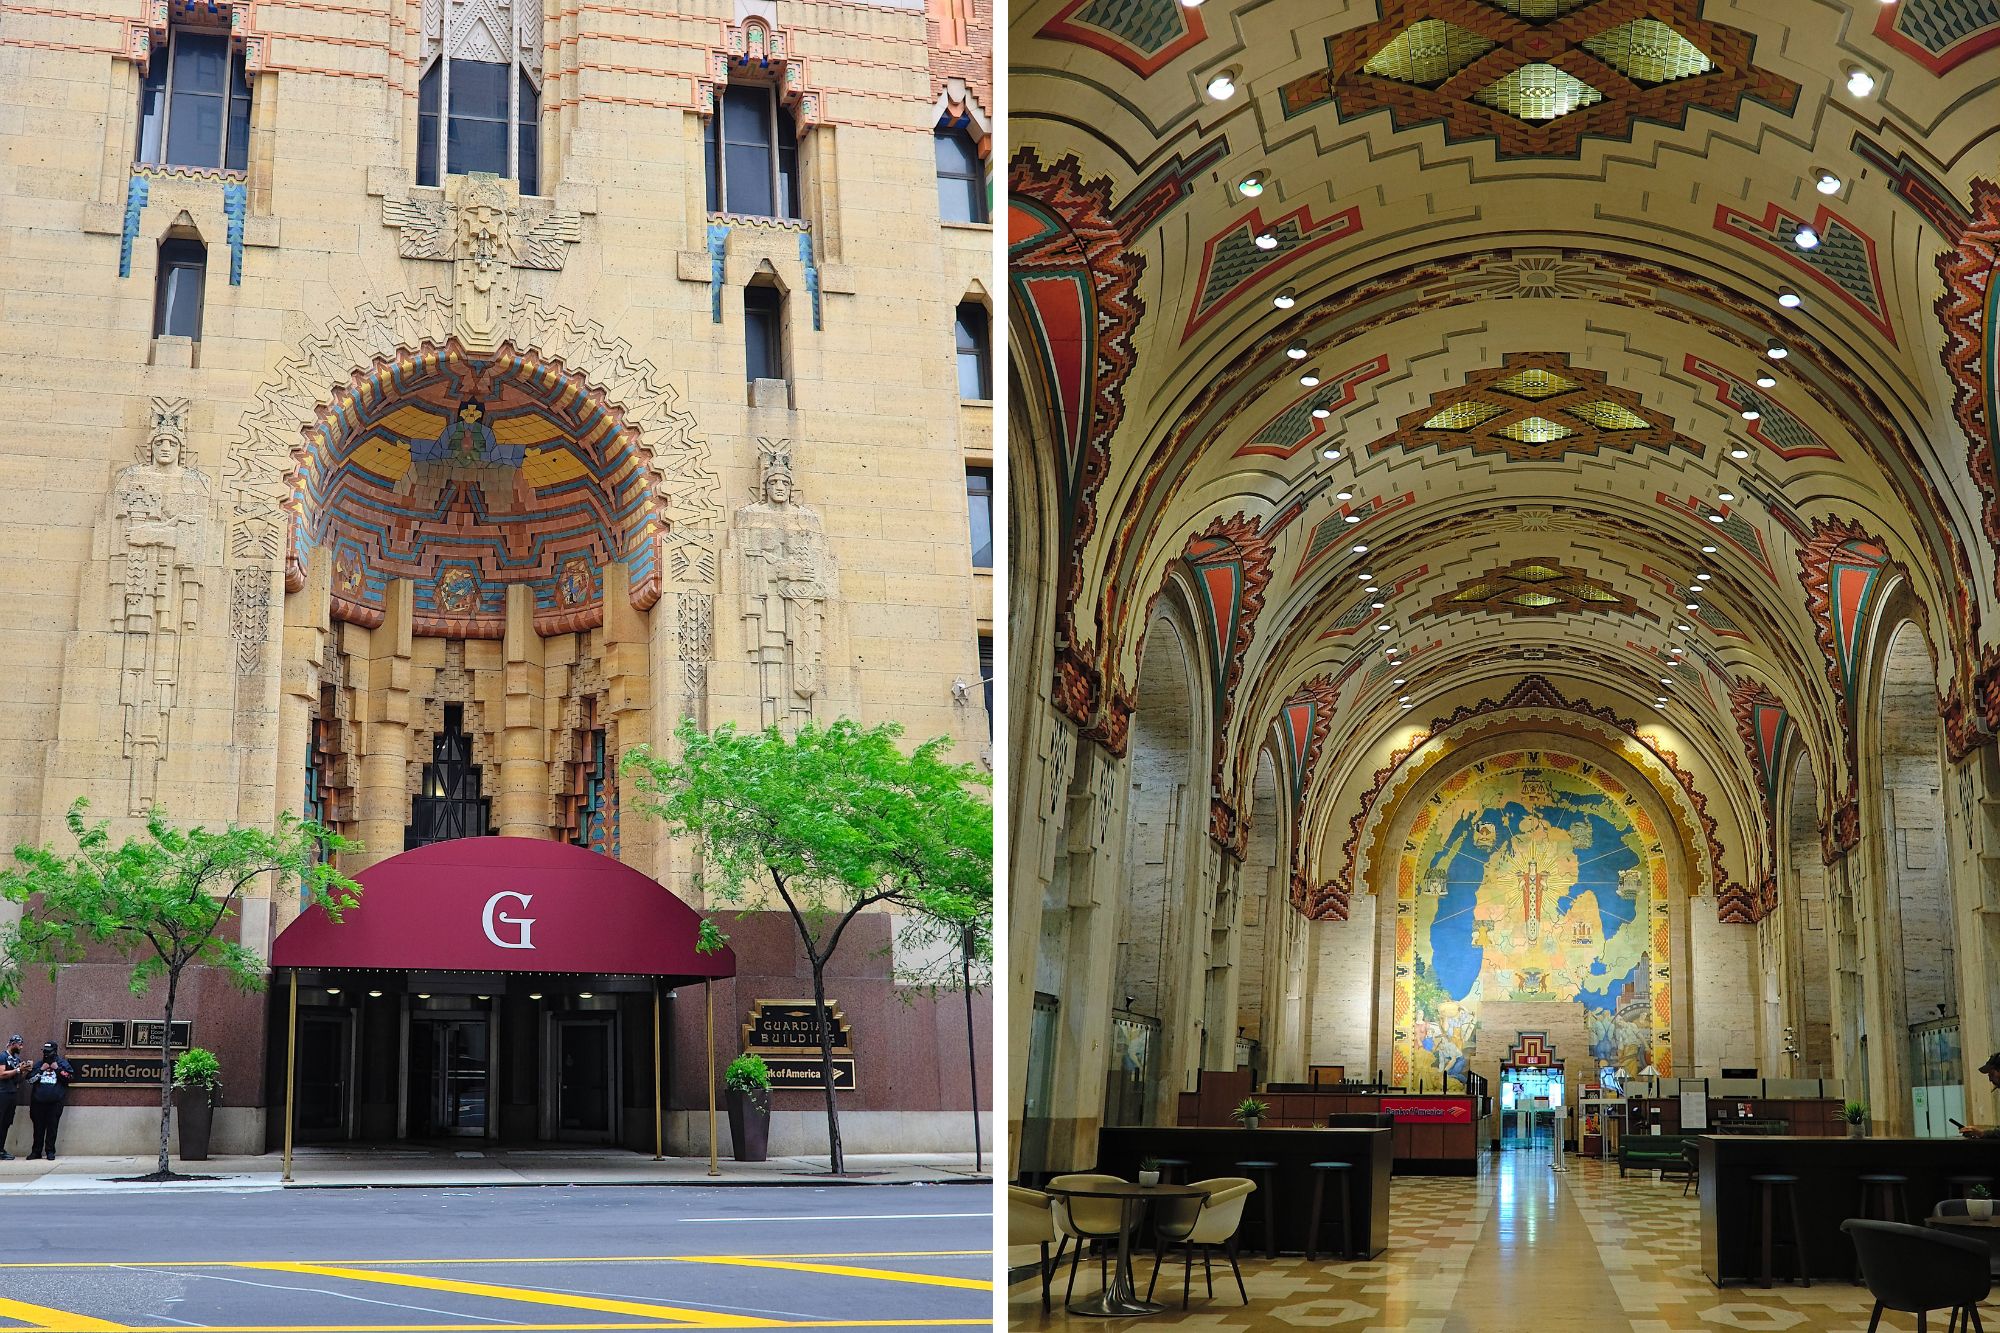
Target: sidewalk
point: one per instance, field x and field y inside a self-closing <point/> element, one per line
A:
<point x="411" y="1164"/>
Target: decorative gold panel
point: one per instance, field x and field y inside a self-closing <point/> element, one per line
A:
<point x="1535" y="383"/>
<point x="1463" y="416"/>
<point x="1649" y="51"/>
<point x="1536" y="430"/>
<point x="1538" y="9"/>
<point x="1427" y="52"/>
<point x="1537" y="93"/>
<point x="1534" y="599"/>
<point x="1607" y="415"/>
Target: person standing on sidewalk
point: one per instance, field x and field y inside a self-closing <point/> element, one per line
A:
<point x="48" y="1091"/>
<point x="13" y="1078"/>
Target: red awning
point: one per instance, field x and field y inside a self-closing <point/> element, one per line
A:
<point x="506" y="905"/>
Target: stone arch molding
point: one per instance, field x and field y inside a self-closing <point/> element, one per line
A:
<point x="290" y="403"/>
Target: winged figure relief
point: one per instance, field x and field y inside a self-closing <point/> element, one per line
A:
<point x="426" y="227"/>
<point x="542" y="245"/>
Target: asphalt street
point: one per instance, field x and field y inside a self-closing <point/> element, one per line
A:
<point x="448" y="1260"/>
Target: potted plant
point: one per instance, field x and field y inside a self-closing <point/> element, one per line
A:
<point x="1856" y="1116"/>
<point x="1149" y="1172"/>
<point x="1978" y="1201"/>
<point x="1249" y="1111"/>
<point x="748" y="1081"/>
<point x="197" y="1083"/>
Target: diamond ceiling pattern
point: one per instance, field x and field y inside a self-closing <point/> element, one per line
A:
<point x="1535" y="407"/>
<point x="1536" y="586"/>
<point x="1538" y="76"/>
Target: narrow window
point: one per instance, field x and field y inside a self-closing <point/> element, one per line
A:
<point x="975" y="369"/>
<point x="960" y="177"/>
<point x="481" y="125"/>
<point x="751" y="151"/>
<point x="763" y="327"/>
<point x="986" y="678"/>
<point x="979" y="509"/>
<point x="449" y="804"/>
<point x="194" y="105"/>
<point x="177" y="291"/>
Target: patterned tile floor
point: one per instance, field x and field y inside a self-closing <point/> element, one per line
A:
<point x="1520" y="1249"/>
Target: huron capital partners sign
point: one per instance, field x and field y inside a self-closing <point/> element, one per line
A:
<point x="786" y="1033"/>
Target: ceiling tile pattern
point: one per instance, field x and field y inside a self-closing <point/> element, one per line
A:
<point x="1535" y="407"/>
<point x="1533" y="586"/>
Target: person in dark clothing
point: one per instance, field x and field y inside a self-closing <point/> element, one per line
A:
<point x="48" y="1090"/>
<point x="13" y="1078"/>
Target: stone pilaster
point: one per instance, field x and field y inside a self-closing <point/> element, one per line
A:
<point x="521" y="809"/>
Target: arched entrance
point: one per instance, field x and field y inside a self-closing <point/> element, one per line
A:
<point x="504" y="989"/>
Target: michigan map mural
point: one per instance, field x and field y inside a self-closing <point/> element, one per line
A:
<point x="1530" y="876"/>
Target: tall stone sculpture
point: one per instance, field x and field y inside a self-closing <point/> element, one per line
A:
<point x="789" y="583"/>
<point x="157" y="537"/>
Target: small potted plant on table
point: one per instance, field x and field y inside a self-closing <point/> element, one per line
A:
<point x="748" y="1081"/>
<point x="1149" y="1172"/>
<point x="1978" y="1201"/>
<point x="1249" y="1111"/>
<point x="197" y="1083"/>
<point x="1856" y="1116"/>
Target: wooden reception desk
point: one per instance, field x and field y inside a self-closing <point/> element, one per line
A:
<point x="1829" y="1191"/>
<point x="1215" y="1152"/>
<point x="1433" y="1134"/>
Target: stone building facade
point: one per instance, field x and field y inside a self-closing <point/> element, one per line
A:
<point x="413" y="405"/>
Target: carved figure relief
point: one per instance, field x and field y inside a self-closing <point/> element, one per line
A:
<point x="789" y="583"/>
<point x="482" y="229"/>
<point x="157" y="536"/>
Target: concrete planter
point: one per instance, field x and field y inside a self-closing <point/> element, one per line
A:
<point x="750" y="1124"/>
<point x="195" y="1120"/>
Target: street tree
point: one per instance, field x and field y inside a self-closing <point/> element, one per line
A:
<point x="162" y="901"/>
<point x="830" y="822"/>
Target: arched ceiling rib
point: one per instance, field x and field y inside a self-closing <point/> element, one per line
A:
<point x="1500" y="313"/>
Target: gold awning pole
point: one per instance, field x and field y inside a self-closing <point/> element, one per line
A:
<point x="659" y="1140"/>
<point x="291" y="1070"/>
<point x="708" y="988"/>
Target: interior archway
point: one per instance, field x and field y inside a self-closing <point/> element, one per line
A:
<point x="1804" y="909"/>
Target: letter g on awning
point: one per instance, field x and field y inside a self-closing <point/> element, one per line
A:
<point x="507" y="905"/>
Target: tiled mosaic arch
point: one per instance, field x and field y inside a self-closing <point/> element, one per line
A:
<point x="288" y="407"/>
<point x="465" y="475"/>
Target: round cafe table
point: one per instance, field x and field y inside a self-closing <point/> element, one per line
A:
<point x="1121" y="1297"/>
<point x="1978" y="1228"/>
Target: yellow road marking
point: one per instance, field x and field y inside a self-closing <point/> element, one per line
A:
<point x="537" y="1259"/>
<point x="43" y="1317"/>
<point x="524" y="1294"/>
<point x="879" y="1274"/>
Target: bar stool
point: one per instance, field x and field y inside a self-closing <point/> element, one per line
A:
<point x="1340" y="1171"/>
<point x="1767" y="1210"/>
<point x="1266" y="1174"/>
<point x="1172" y="1169"/>
<point x="1890" y="1191"/>
<point x="1960" y="1184"/>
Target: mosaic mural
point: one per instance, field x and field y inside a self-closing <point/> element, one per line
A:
<point x="466" y="475"/>
<point x="1530" y="876"/>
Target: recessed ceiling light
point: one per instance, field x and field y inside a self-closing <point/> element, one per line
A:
<point x="1222" y="88"/>
<point x="1285" y="300"/>
<point x="1694" y="606"/>
<point x="1665" y="681"/>
<point x="1343" y="495"/>
<point x="374" y="995"/>
<point x="1329" y="454"/>
<point x="1704" y="576"/>
<point x="1828" y="183"/>
<point x="1371" y="590"/>
<point x="583" y="995"/>
<point x="1400" y="680"/>
<point x="1364" y="577"/>
<point x="1264" y="240"/>
<point x="1384" y="628"/>
<point x="1251" y="186"/>
<point x="1190" y="4"/>
<point x="1860" y="82"/>
<point x="1739" y="452"/>
<point x="1708" y="550"/>
<point x="333" y="990"/>
<point x="1715" y="518"/>
<point x="1297" y="351"/>
<point x="1776" y="350"/>
<point x="1408" y="707"/>
<point x="423" y="995"/>
<point x="1378" y="605"/>
<point x="1405" y="699"/>
<point x="1677" y="650"/>
<point x="1361" y="550"/>
<point x="1321" y="414"/>
<point x="1789" y="300"/>
<point x="1805" y="238"/>
<point x="1310" y="379"/>
<point x="1725" y="496"/>
<point x="1752" y="414"/>
<point x="534" y="995"/>
<point x="1659" y="701"/>
<point x="1685" y="629"/>
<point x="1353" y="518"/>
<point x="1767" y="381"/>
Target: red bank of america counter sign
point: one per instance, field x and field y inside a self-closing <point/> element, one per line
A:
<point x="1429" y="1110"/>
<point x="506" y="905"/>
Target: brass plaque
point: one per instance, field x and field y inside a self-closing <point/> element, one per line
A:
<point x="791" y="1027"/>
<point x="96" y="1032"/>
<point x="803" y="1071"/>
<point x="146" y="1032"/>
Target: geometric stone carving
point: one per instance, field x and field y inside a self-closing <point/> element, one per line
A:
<point x="789" y="579"/>
<point x="158" y="539"/>
<point x="481" y="228"/>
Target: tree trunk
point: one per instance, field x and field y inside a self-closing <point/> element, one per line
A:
<point x="839" y="1165"/>
<point x="167" y="1067"/>
<point x="971" y="1042"/>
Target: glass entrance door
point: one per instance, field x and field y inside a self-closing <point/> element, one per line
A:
<point x="586" y="1101"/>
<point x="325" y="1071"/>
<point x="449" y="1068"/>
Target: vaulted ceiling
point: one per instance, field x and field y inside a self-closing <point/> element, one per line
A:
<point x="1427" y="345"/>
